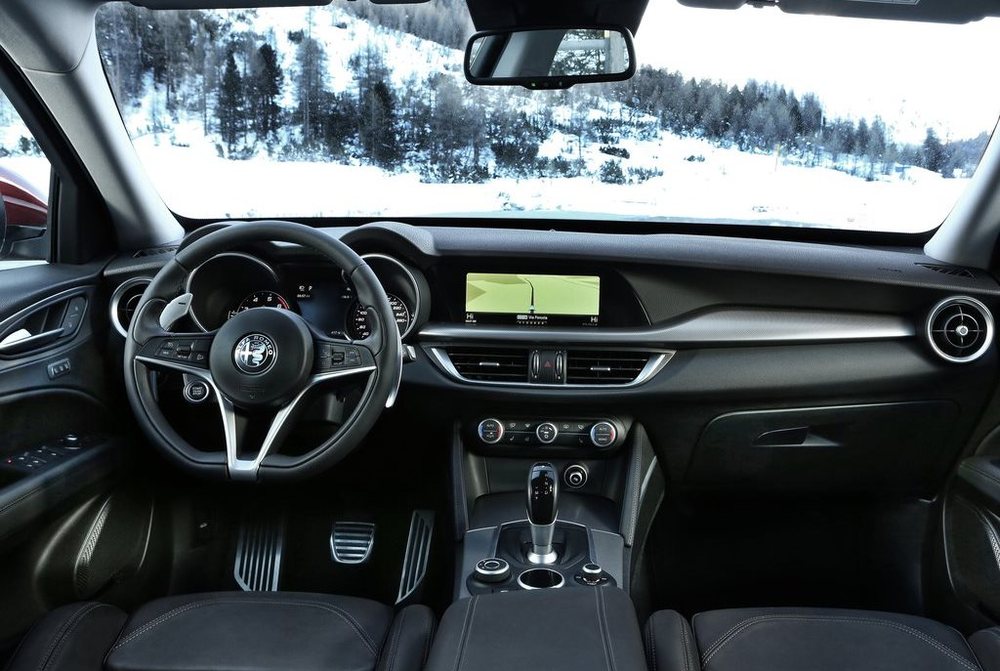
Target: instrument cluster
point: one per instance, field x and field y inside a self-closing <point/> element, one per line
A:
<point x="233" y="282"/>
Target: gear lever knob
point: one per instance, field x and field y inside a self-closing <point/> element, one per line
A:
<point x="543" y="500"/>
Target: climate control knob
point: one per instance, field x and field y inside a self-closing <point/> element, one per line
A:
<point x="603" y="434"/>
<point x="490" y="431"/>
<point x="546" y="433"/>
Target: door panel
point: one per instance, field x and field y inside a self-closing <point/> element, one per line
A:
<point x="59" y="452"/>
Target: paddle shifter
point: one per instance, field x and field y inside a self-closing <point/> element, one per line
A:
<point x="543" y="495"/>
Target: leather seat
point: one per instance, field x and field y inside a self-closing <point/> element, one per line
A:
<point x="792" y="639"/>
<point x="223" y="631"/>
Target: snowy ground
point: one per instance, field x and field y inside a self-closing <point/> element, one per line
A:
<point x="727" y="185"/>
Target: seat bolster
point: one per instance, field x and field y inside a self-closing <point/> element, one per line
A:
<point x="70" y="638"/>
<point x="409" y="640"/>
<point x="670" y="644"/>
<point x="253" y="631"/>
<point x="986" y="645"/>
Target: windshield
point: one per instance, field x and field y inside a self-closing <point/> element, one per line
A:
<point x="362" y="110"/>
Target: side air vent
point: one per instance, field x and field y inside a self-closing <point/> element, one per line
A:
<point x="954" y="271"/>
<point x="604" y="367"/>
<point x="490" y="364"/>
<point x="960" y="329"/>
<point x="124" y="301"/>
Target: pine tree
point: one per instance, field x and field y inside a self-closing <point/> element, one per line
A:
<point x="934" y="157"/>
<point x="266" y="91"/>
<point x="311" y="61"/>
<point x="230" y="106"/>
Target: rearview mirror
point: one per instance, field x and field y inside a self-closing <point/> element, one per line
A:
<point x="550" y="58"/>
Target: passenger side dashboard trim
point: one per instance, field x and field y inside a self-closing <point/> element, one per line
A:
<point x="721" y="327"/>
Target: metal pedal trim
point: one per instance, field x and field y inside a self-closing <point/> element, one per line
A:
<point x="352" y="542"/>
<point x="259" y="550"/>
<point x="418" y="551"/>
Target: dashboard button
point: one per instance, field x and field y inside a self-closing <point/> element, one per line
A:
<point x="603" y="434"/>
<point x="490" y="431"/>
<point x="546" y="433"/>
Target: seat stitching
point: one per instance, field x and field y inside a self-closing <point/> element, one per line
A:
<point x="749" y="623"/>
<point x="427" y="642"/>
<point x="470" y="611"/>
<point x="605" y="642"/>
<point x="55" y="649"/>
<point x="394" y="645"/>
<point x="684" y="643"/>
<point x="651" y="642"/>
<point x="980" y="471"/>
<point x="149" y="626"/>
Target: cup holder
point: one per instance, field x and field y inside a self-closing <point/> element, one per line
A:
<point x="540" y="578"/>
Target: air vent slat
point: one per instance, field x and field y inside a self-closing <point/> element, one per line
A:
<point x="604" y="367"/>
<point x="960" y="329"/>
<point x="488" y="364"/>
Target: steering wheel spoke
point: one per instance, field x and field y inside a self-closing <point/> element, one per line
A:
<point x="186" y="352"/>
<point x="243" y="464"/>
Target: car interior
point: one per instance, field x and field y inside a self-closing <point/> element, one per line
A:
<point x="429" y="435"/>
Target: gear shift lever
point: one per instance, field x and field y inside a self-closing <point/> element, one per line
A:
<point x="543" y="496"/>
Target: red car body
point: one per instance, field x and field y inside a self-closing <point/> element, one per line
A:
<point x="24" y="205"/>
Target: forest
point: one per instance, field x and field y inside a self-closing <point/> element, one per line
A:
<point x="257" y="91"/>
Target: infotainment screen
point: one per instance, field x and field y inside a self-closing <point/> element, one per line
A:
<point x="532" y="300"/>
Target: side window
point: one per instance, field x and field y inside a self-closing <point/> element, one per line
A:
<point x="24" y="189"/>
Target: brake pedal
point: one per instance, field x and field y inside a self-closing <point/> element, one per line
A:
<point x="258" y="555"/>
<point x="351" y="542"/>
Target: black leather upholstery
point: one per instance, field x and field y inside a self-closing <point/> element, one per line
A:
<point x="70" y="638"/>
<point x="792" y="639"/>
<point x="986" y="645"/>
<point x="573" y="629"/>
<point x="228" y="631"/>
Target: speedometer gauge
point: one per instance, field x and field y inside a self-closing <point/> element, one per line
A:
<point x="262" y="299"/>
<point x="359" y="327"/>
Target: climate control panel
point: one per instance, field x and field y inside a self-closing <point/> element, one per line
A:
<point x="589" y="433"/>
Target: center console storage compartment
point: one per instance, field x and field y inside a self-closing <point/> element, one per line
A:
<point x="552" y="629"/>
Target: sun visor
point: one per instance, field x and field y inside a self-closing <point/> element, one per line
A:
<point x="939" y="11"/>
<point x="494" y="15"/>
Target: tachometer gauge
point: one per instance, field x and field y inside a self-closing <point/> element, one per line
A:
<point x="360" y="328"/>
<point x="261" y="299"/>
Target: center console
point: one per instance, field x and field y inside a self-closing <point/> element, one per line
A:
<point x="571" y="630"/>
<point x="548" y="502"/>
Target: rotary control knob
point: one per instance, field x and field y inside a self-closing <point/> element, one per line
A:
<point x="546" y="433"/>
<point x="603" y="434"/>
<point x="575" y="476"/>
<point x="492" y="570"/>
<point x="490" y="431"/>
<point x="592" y="573"/>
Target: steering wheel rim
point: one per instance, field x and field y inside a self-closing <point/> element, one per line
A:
<point x="298" y="361"/>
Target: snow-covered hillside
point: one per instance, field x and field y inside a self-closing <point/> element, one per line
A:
<point x="389" y="127"/>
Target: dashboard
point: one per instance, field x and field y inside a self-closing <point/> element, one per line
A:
<point x="719" y="348"/>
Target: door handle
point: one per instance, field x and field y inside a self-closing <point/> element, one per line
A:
<point x="25" y="343"/>
<point x="799" y="436"/>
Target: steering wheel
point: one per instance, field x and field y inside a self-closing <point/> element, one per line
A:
<point x="261" y="364"/>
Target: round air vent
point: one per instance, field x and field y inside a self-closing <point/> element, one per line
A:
<point x="124" y="301"/>
<point x="960" y="329"/>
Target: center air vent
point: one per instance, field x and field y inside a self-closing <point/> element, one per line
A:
<point x="490" y="364"/>
<point x="604" y="367"/>
<point x="960" y="329"/>
<point x="124" y="301"/>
